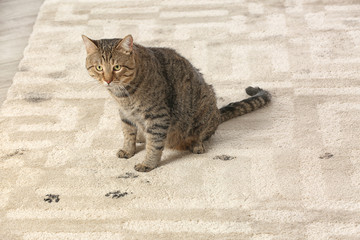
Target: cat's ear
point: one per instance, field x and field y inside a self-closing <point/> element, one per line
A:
<point x="126" y="44"/>
<point x="90" y="45"/>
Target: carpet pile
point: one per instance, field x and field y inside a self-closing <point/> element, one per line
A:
<point x="288" y="171"/>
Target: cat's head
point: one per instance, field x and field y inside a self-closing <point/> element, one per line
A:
<point x="111" y="61"/>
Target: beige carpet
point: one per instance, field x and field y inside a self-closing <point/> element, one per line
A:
<point x="289" y="171"/>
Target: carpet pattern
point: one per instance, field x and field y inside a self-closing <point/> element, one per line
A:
<point x="288" y="171"/>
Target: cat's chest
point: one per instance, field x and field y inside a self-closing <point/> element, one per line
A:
<point x="132" y="113"/>
<point x="130" y="109"/>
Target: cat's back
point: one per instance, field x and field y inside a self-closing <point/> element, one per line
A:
<point x="175" y="67"/>
<point x="166" y="55"/>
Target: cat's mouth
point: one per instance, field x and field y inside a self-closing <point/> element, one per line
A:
<point x="109" y="85"/>
<point x="114" y="85"/>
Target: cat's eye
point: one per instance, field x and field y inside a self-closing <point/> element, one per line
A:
<point x="99" y="68"/>
<point x="117" y="67"/>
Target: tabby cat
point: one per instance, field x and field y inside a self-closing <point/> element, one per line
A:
<point x="162" y="97"/>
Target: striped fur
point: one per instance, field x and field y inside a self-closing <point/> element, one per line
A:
<point x="162" y="95"/>
<point x="258" y="99"/>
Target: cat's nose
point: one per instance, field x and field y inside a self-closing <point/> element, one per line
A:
<point x="108" y="81"/>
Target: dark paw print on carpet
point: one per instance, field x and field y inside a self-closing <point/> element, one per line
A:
<point x="116" y="194"/>
<point x="35" y="97"/>
<point x="326" y="156"/>
<point x="17" y="152"/>
<point x="51" y="197"/>
<point x="128" y="175"/>
<point x="223" y="157"/>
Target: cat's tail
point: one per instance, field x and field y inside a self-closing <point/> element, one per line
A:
<point x="258" y="99"/>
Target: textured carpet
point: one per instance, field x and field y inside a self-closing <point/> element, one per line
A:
<point x="288" y="171"/>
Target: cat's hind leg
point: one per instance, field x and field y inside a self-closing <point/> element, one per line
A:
<point x="204" y="132"/>
<point x="197" y="147"/>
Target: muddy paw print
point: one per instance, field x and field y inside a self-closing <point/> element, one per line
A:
<point x="223" y="157"/>
<point x="128" y="175"/>
<point x="116" y="194"/>
<point x="51" y="197"/>
<point x="17" y="152"/>
<point x="326" y="156"/>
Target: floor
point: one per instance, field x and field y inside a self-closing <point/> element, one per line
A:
<point x="293" y="168"/>
<point x="17" y="18"/>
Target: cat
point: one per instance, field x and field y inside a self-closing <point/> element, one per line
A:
<point x="162" y="97"/>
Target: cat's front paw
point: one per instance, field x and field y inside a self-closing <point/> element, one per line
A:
<point x="142" y="168"/>
<point x="124" y="154"/>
